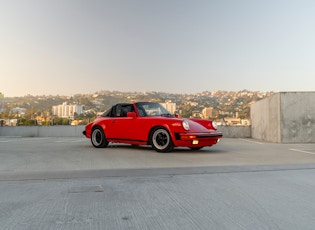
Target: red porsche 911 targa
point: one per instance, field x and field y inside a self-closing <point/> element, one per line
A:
<point x="149" y="123"/>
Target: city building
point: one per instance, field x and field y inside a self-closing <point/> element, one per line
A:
<point x="67" y="111"/>
<point x="233" y="121"/>
<point x="208" y="113"/>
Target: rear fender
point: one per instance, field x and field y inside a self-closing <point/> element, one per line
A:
<point x="97" y="125"/>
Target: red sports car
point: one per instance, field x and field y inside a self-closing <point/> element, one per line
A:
<point x="149" y="123"/>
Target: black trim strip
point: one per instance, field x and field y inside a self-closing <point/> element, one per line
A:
<point x="125" y="139"/>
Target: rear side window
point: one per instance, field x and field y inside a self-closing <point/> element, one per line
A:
<point x="122" y="110"/>
<point x="107" y="113"/>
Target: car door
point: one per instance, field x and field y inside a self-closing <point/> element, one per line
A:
<point x="121" y="126"/>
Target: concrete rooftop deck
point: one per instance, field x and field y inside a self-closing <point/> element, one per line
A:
<point x="65" y="183"/>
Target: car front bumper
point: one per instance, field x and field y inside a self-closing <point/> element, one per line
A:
<point x="195" y="140"/>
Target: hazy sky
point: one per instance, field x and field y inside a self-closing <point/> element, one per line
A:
<point x="178" y="46"/>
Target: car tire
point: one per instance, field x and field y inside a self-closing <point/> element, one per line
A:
<point x="98" y="138"/>
<point x="160" y="140"/>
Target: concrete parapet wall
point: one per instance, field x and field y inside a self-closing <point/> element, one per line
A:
<point x="42" y="131"/>
<point x="76" y="131"/>
<point x="265" y="119"/>
<point x="235" y="131"/>
<point x="297" y="123"/>
<point x="286" y="117"/>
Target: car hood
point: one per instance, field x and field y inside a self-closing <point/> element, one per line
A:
<point x="194" y="126"/>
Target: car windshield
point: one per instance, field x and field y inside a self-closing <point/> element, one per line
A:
<point x="151" y="109"/>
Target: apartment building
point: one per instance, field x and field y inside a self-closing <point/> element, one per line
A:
<point x="66" y="111"/>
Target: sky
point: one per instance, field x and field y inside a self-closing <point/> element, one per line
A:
<point x="65" y="47"/>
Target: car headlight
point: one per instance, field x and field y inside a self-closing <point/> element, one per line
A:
<point x="214" y="125"/>
<point x="185" y="125"/>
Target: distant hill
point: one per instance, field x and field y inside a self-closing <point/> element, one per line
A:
<point x="226" y="103"/>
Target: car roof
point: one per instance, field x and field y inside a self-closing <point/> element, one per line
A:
<point x="122" y="104"/>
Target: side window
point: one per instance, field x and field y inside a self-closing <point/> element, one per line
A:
<point x="130" y="108"/>
<point x="107" y="113"/>
<point x="113" y="112"/>
<point x="122" y="110"/>
<point x="141" y="111"/>
<point x="118" y="111"/>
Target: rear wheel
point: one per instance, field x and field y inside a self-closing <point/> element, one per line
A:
<point x="98" y="138"/>
<point x="161" y="140"/>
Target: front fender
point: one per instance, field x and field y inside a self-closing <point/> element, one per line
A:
<point x="171" y="128"/>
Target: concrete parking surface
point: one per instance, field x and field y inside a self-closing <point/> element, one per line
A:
<point x="65" y="183"/>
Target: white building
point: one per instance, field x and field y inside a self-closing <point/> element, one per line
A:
<point x="66" y="111"/>
<point x="171" y="107"/>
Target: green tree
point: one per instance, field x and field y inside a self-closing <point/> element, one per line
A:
<point x="26" y="122"/>
<point x="186" y="110"/>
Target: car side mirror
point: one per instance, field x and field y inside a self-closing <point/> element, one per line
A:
<point x="176" y="115"/>
<point x="131" y="114"/>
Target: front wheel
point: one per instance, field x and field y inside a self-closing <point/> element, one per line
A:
<point x="98" y="138"/>
<point x="161" y="140"/>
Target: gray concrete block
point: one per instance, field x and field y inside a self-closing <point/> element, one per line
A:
<point x="287" y="117"/>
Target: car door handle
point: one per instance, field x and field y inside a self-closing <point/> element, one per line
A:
<point x="113" y="121"/>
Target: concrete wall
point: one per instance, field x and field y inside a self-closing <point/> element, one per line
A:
<point x="297" y="111"/>
<point x="76" y="131"/>
<point x="265" y="119"/>
<point x="42" y="131"/>
<point x="287" y="117"/>
<point x="235" y="131"/>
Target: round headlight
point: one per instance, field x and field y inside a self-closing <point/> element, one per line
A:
<point x="185" y="125"/>
<point x="214" y="125"/>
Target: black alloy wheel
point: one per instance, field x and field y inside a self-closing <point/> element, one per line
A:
<point x="161" y="140"/>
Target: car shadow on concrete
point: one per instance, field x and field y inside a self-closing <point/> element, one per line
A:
<point x="177" y="150"/>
